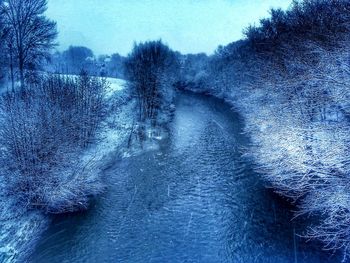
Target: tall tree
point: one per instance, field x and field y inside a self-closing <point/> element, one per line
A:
<point x="31" y="34"/>
<point x="152" y="68"/>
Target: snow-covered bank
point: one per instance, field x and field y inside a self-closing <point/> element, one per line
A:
<point x="304" y="161"/>
<point x="19" y="229"/>
<point x="291" y="86"/>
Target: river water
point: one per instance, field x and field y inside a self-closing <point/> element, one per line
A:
<point x="195" y="199"/>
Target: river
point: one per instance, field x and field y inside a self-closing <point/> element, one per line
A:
<point x="195" y="199"/>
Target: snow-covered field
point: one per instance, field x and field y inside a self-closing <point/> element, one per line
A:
<point x="115" y="86"/>
<point x="19" y="229"/>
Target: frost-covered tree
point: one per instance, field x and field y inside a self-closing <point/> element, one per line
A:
<point x="289" y="78"/>
<point x="31" y="35"/>
<point x="152" y="69"/>
<point x="193" y="70"/>
<point x="77" y="58"/>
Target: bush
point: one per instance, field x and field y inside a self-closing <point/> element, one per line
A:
<point x="315" y="20"/>
<point x="42" y="129"/>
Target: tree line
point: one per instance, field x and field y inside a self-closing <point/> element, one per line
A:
<point x="75" y="58"/>
<point x="289" y="77"/>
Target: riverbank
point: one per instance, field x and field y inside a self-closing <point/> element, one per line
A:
<point x="291" y="157"/>
<point x="195" y="198"/>
<point x="19" y="228"/>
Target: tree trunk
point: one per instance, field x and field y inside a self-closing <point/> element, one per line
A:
<point x="21" y="73"/>
<point x="11" y="69"/>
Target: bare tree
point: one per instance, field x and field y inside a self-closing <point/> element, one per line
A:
<point x="31" y="34"/>
<point x="152" y="68"/>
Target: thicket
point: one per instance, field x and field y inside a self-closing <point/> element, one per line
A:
<point x="290" y="78"/>
<point x="43" y="129"/>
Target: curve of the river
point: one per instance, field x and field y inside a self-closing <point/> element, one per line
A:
<point x="195" y="199"/>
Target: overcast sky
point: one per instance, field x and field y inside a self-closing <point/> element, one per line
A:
<point x="189" y="26"/>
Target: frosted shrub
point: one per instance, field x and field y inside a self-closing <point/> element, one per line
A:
<point x="290" y="80"/>
<point x="42" y="129"/>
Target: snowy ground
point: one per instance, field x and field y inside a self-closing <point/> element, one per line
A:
<point x="19" y="229"/>
<point x="115" y="86"/>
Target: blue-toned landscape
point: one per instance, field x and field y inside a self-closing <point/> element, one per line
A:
<point x="163" y="131"/>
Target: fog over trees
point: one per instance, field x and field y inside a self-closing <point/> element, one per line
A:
<point x="76" y="58"/>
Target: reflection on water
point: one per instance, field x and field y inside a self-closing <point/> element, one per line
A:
<point x="195" y="199"/>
